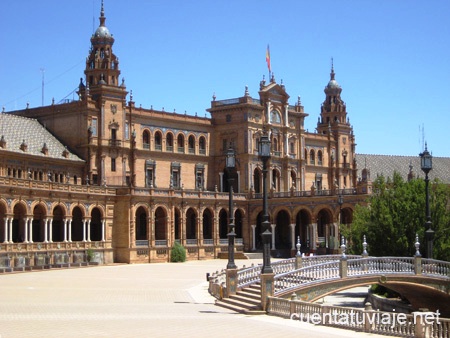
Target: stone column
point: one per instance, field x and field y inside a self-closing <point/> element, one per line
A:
<point x="25" y="226"/>
<point x="50" y="231"/>
<point x="46" y="230"/>
<point x="84" y="230"/>
<point x="103" y="230"/>
<point x="65" y="230"/>
<point x="88" y="230"/>
<point x="273" y="236"/>
<point x="231" y="281"/>
<point x="69" y="230"/>
<point x="253" y="237"/>
<point x="30" y="239"/>
<point x="292" y="236"/>
<point x="6" y="226"/>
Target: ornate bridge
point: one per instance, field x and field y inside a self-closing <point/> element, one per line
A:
<point x="424" y="282"/>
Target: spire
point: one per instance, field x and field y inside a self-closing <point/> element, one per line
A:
<point x="332" y="70"/>
<point x="102" y="16"/>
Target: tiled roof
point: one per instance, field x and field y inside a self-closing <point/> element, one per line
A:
<point x="387" y="164"/>
<point x="17" y="130"/>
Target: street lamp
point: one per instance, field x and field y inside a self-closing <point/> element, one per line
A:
<point x="426" y="163"/>
<point x="231" y="165"/>
<point x="264" y="153"/>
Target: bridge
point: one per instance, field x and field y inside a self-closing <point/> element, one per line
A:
<point x="297" y="282"/>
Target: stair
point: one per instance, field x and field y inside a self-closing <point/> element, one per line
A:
<point x="247" y="301"/>
<point x="254" y="255"/>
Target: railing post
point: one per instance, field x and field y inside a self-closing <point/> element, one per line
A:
<point x="343" y="264"/>
<point x="423" y="324"/>
<point x="298" y="255"/>
<point x="369" y="321"/>
<point x="231" y="281"/>
<point x="417" y="258"/>
<point x="267" y="288"/>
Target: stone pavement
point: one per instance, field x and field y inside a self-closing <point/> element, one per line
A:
<point x="151" y="300"/>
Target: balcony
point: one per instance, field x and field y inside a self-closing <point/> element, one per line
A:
<point x="115" y="143"/>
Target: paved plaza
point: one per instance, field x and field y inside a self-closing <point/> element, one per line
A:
<point x="151" y="300"/>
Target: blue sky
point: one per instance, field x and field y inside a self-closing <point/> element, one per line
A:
<point x="391" y="57"/>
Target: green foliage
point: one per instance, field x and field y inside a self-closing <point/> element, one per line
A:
<point x="394" y="213"/>
<point x="178" y="253"/>
<point x="90" y="255"/>
<point x="383" y="291"/>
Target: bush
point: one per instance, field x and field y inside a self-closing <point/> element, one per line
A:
<point x="178" y="253"/>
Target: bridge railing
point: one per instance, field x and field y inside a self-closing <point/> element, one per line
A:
<point x="435" y="267"/>
<point x="375" y="265"/>
<point x="310" y="274"/>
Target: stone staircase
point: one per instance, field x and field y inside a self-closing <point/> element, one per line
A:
<point x="247" y="301"/>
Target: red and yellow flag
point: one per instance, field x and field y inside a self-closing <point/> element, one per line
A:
<point x="268" y="58"/>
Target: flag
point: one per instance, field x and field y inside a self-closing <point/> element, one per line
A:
<point x="268" y="57"/>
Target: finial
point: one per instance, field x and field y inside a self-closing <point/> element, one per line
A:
<point x="131" y="95"/>
<point x="214" y="96"/>
<point x="246" y="91"/>
<point x="417" y="245"/>
<point x="365" y="253"/>
<point x="343" y="247"/>
<point x="298" y="247"/>
<point x="299" y="102"/>
<point x="102" y="15"/>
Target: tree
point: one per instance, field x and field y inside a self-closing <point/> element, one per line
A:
<point x="395" y="213"/>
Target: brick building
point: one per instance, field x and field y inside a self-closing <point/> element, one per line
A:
<point x="127" y="182"/>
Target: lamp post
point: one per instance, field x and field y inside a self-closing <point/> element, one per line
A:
<point x="264" y="153"/>
<point x="426" y="163"/>
<point x="231" y="165"/>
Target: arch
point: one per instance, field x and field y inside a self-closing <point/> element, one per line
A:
<point x="312" y="157"/>
<point x="58" y="224"/>
<point x="96" y="225"/>
<point x="169" y="142"/>
<point x="202" y="145"/>
<point x="283" y="240"/>
<point x="160" y="224"/>
<point x="276" y="180"/>
<point x="319" y="157"/>
<point x="257" y="180"/>
<point x="346" y="216"/>
<point x="191" y="224"/>
<point x="302" y="222"/>
<point x="207" y="224"/>
<point x="146" y="139"/>
<point x="158" y="140"/>
<point x="238" y="221"/>
<point x="223" y="223"/>
<point x="141" y="224"/>
<point x="177" y="224"/>
<point x="38" y="223"/>
<point x="191" y="144"/>
<point x="18" y="223"/>
<point x="180" y="143"/>
<point x="77" y="224"/>
<point x="323" y="220"/>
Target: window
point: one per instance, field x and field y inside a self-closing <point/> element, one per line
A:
<point x="175" y="175"/>
<point x="94" y="127"/>
<point x="202" y="145"/>
<point x="113" y="164"/>
<point x="199" y="176"/>
<point x="146" y="139"/>
<point x="169" y="142"/>
<point x="312" y="157"/>
<point x="191" y="144"/>
<point x="158" y="141"/>
<point x="319" y="157"/>
<point x="127" y="130"/>
<point x="150" y="169"/>
<point x="180" y="143"/>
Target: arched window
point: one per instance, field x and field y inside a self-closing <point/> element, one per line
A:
<point x="158" y="141"/>
<point x="319" y="157"/>
<point x="146" y="139"/>
<point x="312" y="157"/>
<point x="202" y="145"/>
<point x="191" y="144"/>
<point x="169" y="142"/>
<point x="180" y="143"/>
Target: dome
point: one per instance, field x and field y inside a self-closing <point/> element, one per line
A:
<point x="102" y="32"/>
<point x="333" y="84"/>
